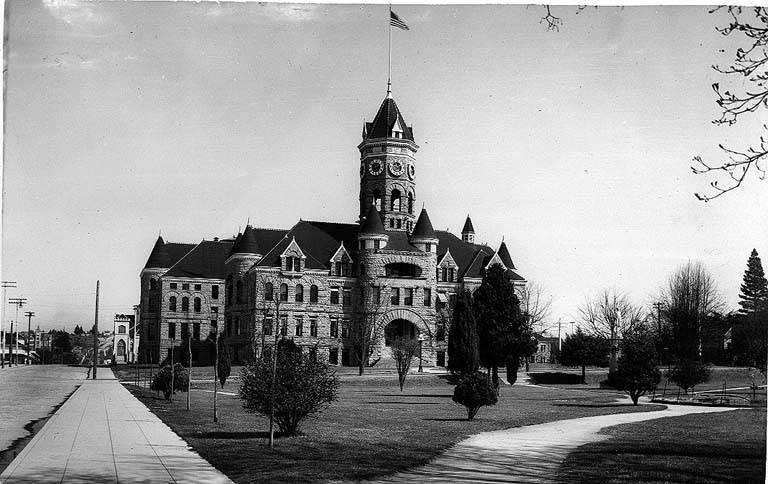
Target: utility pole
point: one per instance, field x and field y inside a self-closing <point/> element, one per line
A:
<point x="189" y="372"/>
<point x="19" y="302"/>
<point x="29" y="315"/>
<point x="559" y="339"/>
<point x="6" y="285"/>
<point x="96" y="333"/>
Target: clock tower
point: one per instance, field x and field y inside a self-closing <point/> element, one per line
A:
<point x="388" y="168"/>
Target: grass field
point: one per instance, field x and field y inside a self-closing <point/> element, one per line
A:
<point x="700" y="448"/>
<point x="372" y="430"/>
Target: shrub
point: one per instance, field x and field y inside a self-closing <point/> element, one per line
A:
<point x="689" y="373"/>
<point x="636" y="371"/>
<point x="475" y="390"/>
<point x="162" y="380"/>
<point x="302" y="388"/>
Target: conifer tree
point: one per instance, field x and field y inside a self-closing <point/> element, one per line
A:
<point x="463" y="355"/>
<point x="754" y="289"/>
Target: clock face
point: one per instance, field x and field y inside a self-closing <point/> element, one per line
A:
<point x="375" y="167"/>
<point x="396" y="167"/>
<point x="411" y="171"/>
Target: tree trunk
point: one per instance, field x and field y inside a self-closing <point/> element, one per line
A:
<point x="495" y="377"/>
<point x="584" y="374"/>
<point x="512" y="366"/>
<point x="471" y="412"/>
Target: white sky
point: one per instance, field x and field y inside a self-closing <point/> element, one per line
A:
<point x="126" y="118"/>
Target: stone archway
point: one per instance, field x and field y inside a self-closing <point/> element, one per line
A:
<point x="399" y="329"/>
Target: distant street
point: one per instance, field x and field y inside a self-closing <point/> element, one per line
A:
<point x="29" y="393"/>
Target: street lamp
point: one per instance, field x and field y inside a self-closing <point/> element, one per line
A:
<point x="421" y="343"/>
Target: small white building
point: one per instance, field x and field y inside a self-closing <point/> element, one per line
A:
<point x="126" y="339"/>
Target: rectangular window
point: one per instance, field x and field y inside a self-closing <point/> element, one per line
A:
<point x="174" y="285"/>
<point x="283" y="325"/>
<point x="171" y="330"/>
<point x="267" y="327"/>
<point x="377" y="295"/>
<point x="215" y="291"/>
<point x="198" y="287"/>
<point x="391" y="223"/>
<point x="440" y="331"/>
<point x="214" y="309"/>
<point x="445" y="274"/>
<point x="299" y="326"/>
<point x="184" y="330"/>
<point x="428" y="247"/>
<point x="362" y="245"/>
<point x="395" y="299"/>
<point x="347" y="296"/>
<point x="196" y="331"/>
<point x="408" y="296"/>
<point x="345" y="329"/>
<point x="334" y="328"/>
<point x="441" y="358"/>
<point x="450" y="275"/>
<point x="334" y="295"/>
<point x="376" y="244"/>
<point x="427" y="296"/>
<point x="333" y="356"/>
<point x="313" y="327"/>
<point x="185" y="287"/>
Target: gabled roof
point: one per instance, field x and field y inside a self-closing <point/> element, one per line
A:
<point x="468" y="228"/>
<point x="318" y="241"/>
<point x="385" y="120"/>
<point x="423" y="228"/>
<point x="446" y="259"/>
<point x="469" y="257"/>
<point x="164" y="254"/>
<point x="293" y="250"/>
<point x="372" y="224"/>
<point x="204" y="261"/>
<point x="246" y="243"/>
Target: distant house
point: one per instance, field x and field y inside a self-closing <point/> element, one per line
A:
<point x="546" y="351"/>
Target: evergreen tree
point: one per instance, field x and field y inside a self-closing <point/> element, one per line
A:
<point x="463" y="355"/>
<point x="503" y="332"/>
<point x="580" y="349"/>
<point x="754" y="289"/>
<point x="224" y="366"/>
<point x="636" y="371"/>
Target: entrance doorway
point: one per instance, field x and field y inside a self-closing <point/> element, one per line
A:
<point x="399" y="329"/>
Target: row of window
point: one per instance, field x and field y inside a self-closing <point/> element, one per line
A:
<point x="298" y="326"/>
<point x="395" y="201"/>
<point x="185" y="287"/>
<point x="197" y="305"/>
<point x="184" y="331"/>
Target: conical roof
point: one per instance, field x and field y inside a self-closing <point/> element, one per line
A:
<point x="372" y="223"/>
<point x="468" y="228"/>
<point x="423" y="228"/>
<point x="385" y="120"/>
<point x="159" y="256"/>
<point x="246" y="243"/>
<point x="506" y="259"/>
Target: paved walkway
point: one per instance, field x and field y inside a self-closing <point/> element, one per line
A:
<point x="531" y="453"/>
<point x="102" y="433"/>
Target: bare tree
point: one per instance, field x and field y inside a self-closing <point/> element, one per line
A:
<point x="608" y="315"/>
<point x="403" y="351"/>
<point x="688" y="297"/>
<point x="371" y="306"/>
<point x="536" y="304"/>
<point x="750" y="69"/>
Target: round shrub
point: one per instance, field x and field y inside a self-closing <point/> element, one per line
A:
<point x="475" y="390"/>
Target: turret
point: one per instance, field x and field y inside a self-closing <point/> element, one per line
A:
<point x="468" y="232"/>
<point x="423" y="236"/>
<point x="245" y="252"/>
<point x="372" y="235"/>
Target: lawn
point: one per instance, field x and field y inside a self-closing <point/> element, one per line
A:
<point x="372" y="430"/>
<point x="701" y="448"/>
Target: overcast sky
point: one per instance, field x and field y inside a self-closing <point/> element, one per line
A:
<point x="124" y="119"/>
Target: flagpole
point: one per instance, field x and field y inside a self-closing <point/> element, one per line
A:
<point x="389" y="51"/>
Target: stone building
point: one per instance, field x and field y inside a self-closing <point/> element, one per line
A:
<point x="125" y="339"/>
<point x="319" y="282"/>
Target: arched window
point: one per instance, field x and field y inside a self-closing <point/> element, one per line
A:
<point x="377" y="199"/>
<point x="313" y="293"/>
<point x="121" y="348"/>
<point x="185" y="304"/>
<point x="197" y="304"/>
<point x="121" y="329"/>
<point x="268" y="291"/>
<point x="172" y="304"/>
<point x="152" y="284"/>
<point x="394" y="203"/>
<point x="239" y="292"/>
<point x="299" y="293"/>
<point x="410" y="202"/>
<point x="283" y="292"/>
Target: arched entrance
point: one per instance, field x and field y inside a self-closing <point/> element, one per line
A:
<point x="121" y="350"/>
<point x="399" y="329"/>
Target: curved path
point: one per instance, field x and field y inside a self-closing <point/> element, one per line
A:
<point x="532" y="453"/>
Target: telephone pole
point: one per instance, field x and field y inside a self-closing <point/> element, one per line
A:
<point x="29" y="315"/>
<point x="96" y="333"/>
<point x="19" y="302"/>
<point x="6" y="285"/>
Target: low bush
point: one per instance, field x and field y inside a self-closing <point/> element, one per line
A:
<point x="474" y="391"/>
<point x="162" y="380"/>
<point x="688" y="373"/>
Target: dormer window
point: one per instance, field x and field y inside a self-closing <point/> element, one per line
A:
<point x="341" y="263"/>
<point x="293" y="264"/>
<point x="293" y="259"/>
<point x="447" y="269"/>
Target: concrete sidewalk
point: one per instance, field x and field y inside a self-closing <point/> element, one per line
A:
<point x="102" y="433"/>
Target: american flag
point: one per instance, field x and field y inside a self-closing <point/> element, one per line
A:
<point x="396" y="21"/>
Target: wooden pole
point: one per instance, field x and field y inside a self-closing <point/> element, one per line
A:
<point x="172" y="372"/>
<point x="96" y="333"/>
<point x="189" y="368"/>
<point x="216" y="376"/>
